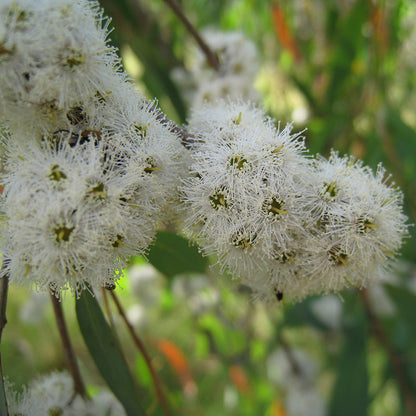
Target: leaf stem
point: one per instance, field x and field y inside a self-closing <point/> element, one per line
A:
<point x="108" y="310"/>
<point x="211" y="56"/>
<point x="187" y="139"/>
<point x="395" y="359"/>
<point x="4" y="288"/>
<point x="290" y="356"/>
<point x="79" y="386"/>
<point x="142" y="349"/>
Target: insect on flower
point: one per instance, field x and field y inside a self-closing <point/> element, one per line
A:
<point x="278" y="293"/>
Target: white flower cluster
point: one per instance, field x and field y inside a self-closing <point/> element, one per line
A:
<point x="282" y="222"/>
<point x="91" y="168"/>
<point x="239" y="64"/>
<point x="54" y="56"/>
<point x="53" y="394"/>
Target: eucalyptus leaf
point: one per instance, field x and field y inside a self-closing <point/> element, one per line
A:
<point x="104" y="349"/>
<point x="350" y="393"/>
<point x="405" y="301"/>
<point x="172" y="254"/>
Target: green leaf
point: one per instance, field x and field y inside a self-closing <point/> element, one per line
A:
<point x="142" y="371"/>
<point x="405" y="340"/>
<point x="172" y="254"/>
<point x="104" y="349"/>
<point x="150" y="46"/>
<point x="405" y="301"/>
<point x="350" y="393"/>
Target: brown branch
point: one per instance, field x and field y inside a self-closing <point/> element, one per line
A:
<point x="142" y="349"/>
<point x="187" y="139"/>
<point x="4" y="289"/>
<point x="79" y="386"/>
<point x="395" y="359"/>
<point x="133" y="22"/>
<point x="294" y="365"/>
<point x="107" y="308"/>
<point x="211" y="56"/>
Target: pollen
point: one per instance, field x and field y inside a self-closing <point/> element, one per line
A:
<point x="56" y="174"/>
<point x="63" y="233"/>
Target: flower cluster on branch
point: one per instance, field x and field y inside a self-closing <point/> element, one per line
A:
<point x="282" y="222"/>
<point x="90" y="166"/>
<point x="92" y="169"/>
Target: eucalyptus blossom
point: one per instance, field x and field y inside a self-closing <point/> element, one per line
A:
<point x="286" y="224"/>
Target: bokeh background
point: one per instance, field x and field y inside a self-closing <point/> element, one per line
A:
<point x="345" y="71"/>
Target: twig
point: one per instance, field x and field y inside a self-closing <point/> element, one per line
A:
<point x="79" y="386"/>
<point x="4" y="288"/>
<point x="211" y="57"/>
<point x="395" y="359"/>
<point x="107" y="308"/>
<point x="187" y="139"/>
<point x="146" y="356"/>
<point x="290" y="357"/>
<point x="125" y="16"/>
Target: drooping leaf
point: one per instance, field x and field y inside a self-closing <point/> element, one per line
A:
<point x="104" y="349"/>
<point x="172" y="254"/>
<point x="350" y="393"/>
<point x="405" y="340"/>
<point x="405" y="301"/>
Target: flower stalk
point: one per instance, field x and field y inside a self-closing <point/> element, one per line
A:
<point x="139" y="344"/>
<point x="79" y="387"/>
<point x="395" y="360"/>
<point x="211" y="57"/>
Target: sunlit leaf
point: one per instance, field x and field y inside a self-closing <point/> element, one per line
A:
<point x="143" y="372"/>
